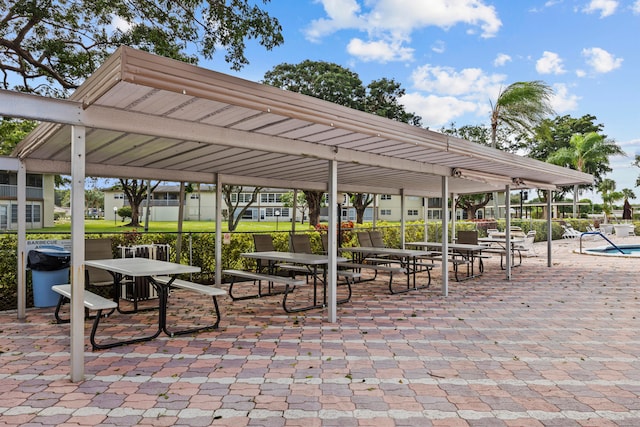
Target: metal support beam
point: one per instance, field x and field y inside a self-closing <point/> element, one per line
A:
<point x="22" y="242"/>
<point x="445" y="236"/>
<point x="332" y="242"/>
<point x="78" y="156"/>
<point x="218" y="238"/>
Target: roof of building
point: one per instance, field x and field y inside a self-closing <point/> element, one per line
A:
<point x="152" y="117"/>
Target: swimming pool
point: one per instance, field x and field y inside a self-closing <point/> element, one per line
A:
<point x="629" y="251"/>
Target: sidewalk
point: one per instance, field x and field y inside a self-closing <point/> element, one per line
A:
<point x="552" y="347"/>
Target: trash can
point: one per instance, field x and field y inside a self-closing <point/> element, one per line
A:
<point x="49" y="266"/>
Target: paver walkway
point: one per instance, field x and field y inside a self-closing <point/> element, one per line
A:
<point x="553" y="347"/>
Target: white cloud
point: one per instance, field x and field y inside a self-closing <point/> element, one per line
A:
<point x="121" y="24"/>
<point x="437" y="111"/>
<point x="439" y="46"/>
<point x="581" y="73"/>
<point x="445" y="94"/>
<point x="562" y="101"/>
<point x="395" y="20"/>
<point x="605" y="7"/>
<point x="379" y="51"/>
<point x="502" y="59"/>
<point x="636" y="7"/>
<point x="550" y="63"/>
<point x="472" y="83"/>
<point x="600" y="60"/>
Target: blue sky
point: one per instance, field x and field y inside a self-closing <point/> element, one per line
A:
<point x="453" y="56"/>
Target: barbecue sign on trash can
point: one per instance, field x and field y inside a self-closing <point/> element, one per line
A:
<point x="49" y="266"/>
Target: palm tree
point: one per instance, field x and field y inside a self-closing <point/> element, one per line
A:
<point x="586" y="153"/>
<point x="609" y="196"/>
<point x="520" y="107"/>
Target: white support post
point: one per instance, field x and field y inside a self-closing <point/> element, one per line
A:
<point x="507" y="216"/>
<point x="402" y="218"/>
<point x="549" y="228"/>
<point x="294" y="212"/>
<point x="332" y="242"/>
<point x="425" y="210"/>
<point x="375" y="211"/>
<point x="445" y="236"/>
<point x="22" y="242"/>
<point x="78" y="164"/>
<point x="218" y="237"/>
<point x="454" y="235"/>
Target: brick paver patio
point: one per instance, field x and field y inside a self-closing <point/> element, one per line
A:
<point x="553" y="347"/>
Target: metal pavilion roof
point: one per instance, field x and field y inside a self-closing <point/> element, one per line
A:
<point x="153" y="117"/>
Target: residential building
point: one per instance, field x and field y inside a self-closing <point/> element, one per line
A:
<point x="40" y="200"/>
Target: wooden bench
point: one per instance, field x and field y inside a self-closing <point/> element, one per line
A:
<point x="211" y="291"/>
<point x="92" y="302"/>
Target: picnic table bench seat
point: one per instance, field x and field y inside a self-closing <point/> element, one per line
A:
<point x="207" y="290"/>
<point x="92" y="302"/>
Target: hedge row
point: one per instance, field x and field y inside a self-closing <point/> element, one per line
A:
<point x="199" y="248"/>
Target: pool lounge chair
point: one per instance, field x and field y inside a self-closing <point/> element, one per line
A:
<point x="570" y="232"/>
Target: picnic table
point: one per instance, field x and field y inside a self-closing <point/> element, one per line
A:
<point x="462" y="254"/>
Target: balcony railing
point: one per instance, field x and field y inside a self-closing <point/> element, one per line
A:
<point x="11" y="192"/>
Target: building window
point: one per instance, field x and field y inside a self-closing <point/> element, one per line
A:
<point x="270" y="197"/>
<point x="194" y="196"/>
<point x="118" y="196"/>
<point x="385" y="212"/>
<point x="385" y="197"/>
<point x="412" y="212"/>
<point x="32" y="213"/>
<point x="435" y="202"/>
<point x="270" y="212"/>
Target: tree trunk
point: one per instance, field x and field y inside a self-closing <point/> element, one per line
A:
<point x="314" y="201"/>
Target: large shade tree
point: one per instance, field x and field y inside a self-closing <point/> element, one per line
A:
<point x="50" y="47"/>
<point x="340" y="85"/>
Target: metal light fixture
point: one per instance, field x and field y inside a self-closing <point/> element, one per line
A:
<point x="487" y="178"/>
<point x="527" y="183"/>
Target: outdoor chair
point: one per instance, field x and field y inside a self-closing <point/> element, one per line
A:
<point x="96" y="277"/>
<point x="528" y="246"/>
<point x="569" y="232"/>
<point x="262" y="243"/>
<point x="300" y="243"/>
<point x="364" y="239"/>
<point x="376" y="239"/>
<point x="467" y="237"/>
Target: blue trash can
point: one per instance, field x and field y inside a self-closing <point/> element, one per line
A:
<point x="49" y="266"/>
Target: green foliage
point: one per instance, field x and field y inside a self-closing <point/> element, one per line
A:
<point x="520" y="107"/>
<point x="586" y="153"/>
<point x="50" y="47"/>
<point x="124" y="212"/>
<point x="12" y="131"/>
<point x="505" y="140"/>
<point x="553" y="134"/>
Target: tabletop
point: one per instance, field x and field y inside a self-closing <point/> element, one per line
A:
<point x="454" y="246"/>
<point x="500" y="240"/>
<point x="387" y="251"/>
<point x="292" y="257"/>
<point x="141" y="267"/>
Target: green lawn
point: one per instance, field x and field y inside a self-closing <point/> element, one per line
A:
<point x="106" y="226"/>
